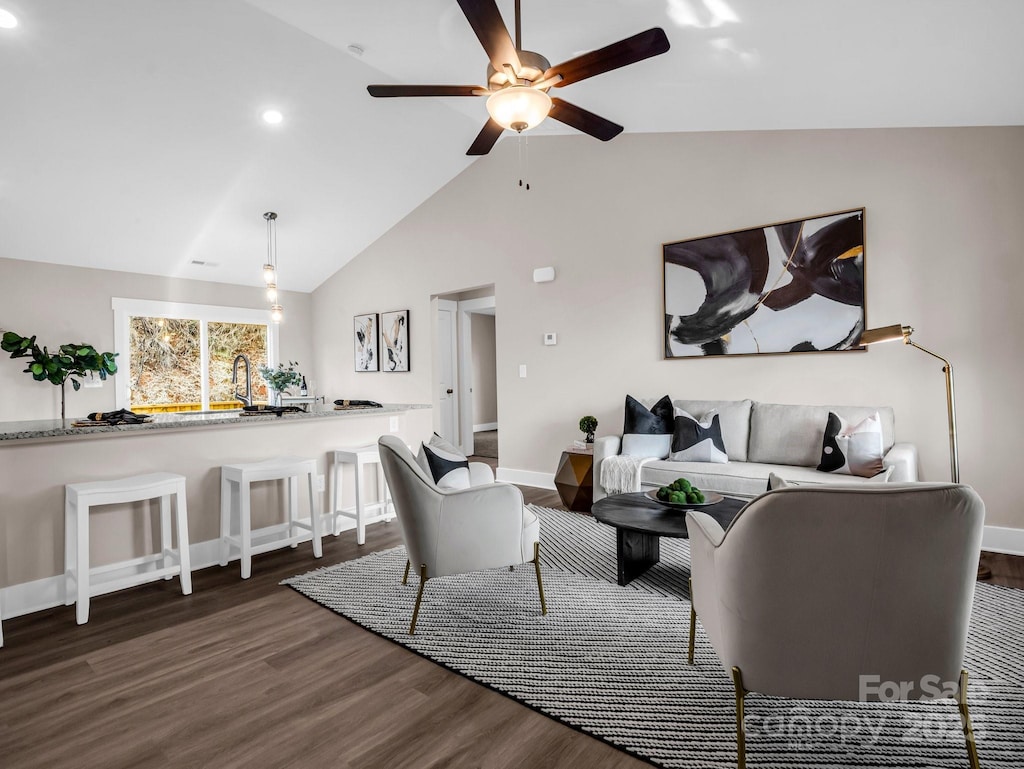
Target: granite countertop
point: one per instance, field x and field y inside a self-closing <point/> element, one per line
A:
<point x="54" y="429"/>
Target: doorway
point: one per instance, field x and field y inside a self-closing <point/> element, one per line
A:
<point x="465" y="371"/>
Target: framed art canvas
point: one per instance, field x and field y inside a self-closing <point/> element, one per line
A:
<point x="365" y="339"/>
<point x="394" y="335"/>
<point x="794" y="286"/>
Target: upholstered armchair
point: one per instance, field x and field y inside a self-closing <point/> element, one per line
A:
<point x="457" y="531"/>
<point x="828" y="592"/>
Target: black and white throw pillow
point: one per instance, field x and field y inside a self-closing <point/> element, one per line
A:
<point x="443" y="462"/>
<point x="647" y="432"/>
<point x="852" y="450"/>
<point x="698" y="440"/>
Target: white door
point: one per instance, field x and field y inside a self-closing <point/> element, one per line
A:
<point x="447" y="378"/>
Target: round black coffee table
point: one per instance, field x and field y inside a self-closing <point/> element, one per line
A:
<point x="641" y="522"/>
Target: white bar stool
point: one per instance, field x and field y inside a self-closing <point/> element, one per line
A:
<point x="80" y="498"/>
<point x="359" y="457"/>
<point x="235" y="502"/>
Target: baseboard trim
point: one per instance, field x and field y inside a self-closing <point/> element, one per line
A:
<point x="46" y="593"/>
<point x="1001" y="539"/>
<point x="526" y="478"/>
<point x="482" y="428"/>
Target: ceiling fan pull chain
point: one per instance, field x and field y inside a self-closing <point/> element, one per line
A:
<point x="526" y="141"/>
<point x="524" y="165"/>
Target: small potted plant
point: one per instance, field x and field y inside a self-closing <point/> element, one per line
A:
<point x="280" y="379"/>
<point x="587" y="426"/>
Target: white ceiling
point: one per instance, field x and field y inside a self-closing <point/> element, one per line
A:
<point x="131" y="139"/>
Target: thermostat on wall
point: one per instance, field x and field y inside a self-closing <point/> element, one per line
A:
<point x="550" y="338"/>
<point x="544" y="275"/>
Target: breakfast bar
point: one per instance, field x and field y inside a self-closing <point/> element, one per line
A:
<point x="38" y="458"/>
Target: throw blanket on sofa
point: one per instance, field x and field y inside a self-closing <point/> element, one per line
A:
<point x="621" y="474"/>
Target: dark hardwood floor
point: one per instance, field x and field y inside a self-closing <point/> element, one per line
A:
<point x="252" y="674"/>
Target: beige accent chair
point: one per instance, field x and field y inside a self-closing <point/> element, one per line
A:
<point x="457" y="531"/>
<point x="812" y="588"/>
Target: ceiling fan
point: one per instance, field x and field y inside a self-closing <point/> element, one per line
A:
<point x="518" y="80"/>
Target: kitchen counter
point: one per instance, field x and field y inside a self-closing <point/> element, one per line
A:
<point x="39" y="458"/>
<point x="56" y="430"/>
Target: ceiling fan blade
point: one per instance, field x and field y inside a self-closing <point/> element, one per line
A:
<point x="485" y="19"/>
<point x="381" y="91"/>
<point x="582" y="120"/>
<point x="485" y="139"/>
<point x="629" y="51"/>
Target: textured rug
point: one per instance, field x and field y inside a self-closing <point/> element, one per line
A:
<point x="611" y="661"/>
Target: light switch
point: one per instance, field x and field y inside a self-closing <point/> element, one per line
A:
<point x="550" y="338"/>
<point x="522" y="371"/>
<point x="393" y="424"/>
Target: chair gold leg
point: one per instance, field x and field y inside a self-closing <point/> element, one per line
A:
<point x="965" y="719"/>
<point x="741" y="740"/>
<point x="540" y="585"/>
<point x="693" y="625"/>
<point x="405" y="577"/>
<point x="419" y="597"/>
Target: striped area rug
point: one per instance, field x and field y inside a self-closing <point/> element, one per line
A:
<point x="611" y="661"/>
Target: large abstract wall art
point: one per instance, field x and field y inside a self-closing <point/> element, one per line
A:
<point x="791" y="287"/>
<point x="394" y="333"/>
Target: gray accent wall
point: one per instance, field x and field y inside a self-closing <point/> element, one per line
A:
<point x="943" y="228"/>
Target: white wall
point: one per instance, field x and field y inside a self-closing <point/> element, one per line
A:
<point x="485" y="384"/>
<point x="943" y="229"/>
<point x="72" y="304"/>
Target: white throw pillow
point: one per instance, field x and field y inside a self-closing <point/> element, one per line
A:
<point x="855" y="450"/>
<point x="444" y="463"/>
<point x="698" y="440"/>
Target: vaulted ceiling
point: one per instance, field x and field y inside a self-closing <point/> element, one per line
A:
<point x="131" y="136"/>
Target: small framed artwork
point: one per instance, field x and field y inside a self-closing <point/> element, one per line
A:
<point x="794" y="286"/>
<point x="365" y="339"/>
<point x="394" y="335"/>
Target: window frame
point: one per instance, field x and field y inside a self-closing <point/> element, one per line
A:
<point x="125" y="309"/>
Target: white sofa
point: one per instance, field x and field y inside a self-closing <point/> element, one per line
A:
<point x="764" y="438"/>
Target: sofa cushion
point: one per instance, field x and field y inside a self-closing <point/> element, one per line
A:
<point x="741" y="479"/>
<point x="734" y="417"/>
<point x="647" y="428"/>
<point x="698" y="440"/>
<point x="792" y="435"/>
<point x="775" y="481"/>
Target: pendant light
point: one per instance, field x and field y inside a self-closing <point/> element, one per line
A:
<point x="270" y="268"/>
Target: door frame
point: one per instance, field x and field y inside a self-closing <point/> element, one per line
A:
<point x="436" y="305"/>
<point x="465" y="366"/>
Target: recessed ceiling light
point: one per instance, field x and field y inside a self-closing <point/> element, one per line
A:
<point x="7" y="19"/>
<point x="356" y="50"/>
<point x="272" y="116"/>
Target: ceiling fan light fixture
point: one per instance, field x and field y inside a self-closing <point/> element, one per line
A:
<point x="518" y="107"/>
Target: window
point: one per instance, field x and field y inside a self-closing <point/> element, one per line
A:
<point x="179" y="357"/>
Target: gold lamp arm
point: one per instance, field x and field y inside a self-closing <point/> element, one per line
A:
<point x="947" y="368"/>
<point x="898" y="331"/>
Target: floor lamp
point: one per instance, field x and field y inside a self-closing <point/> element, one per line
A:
<point x="891" y="334"/>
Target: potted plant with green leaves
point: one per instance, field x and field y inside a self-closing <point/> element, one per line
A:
<point x="587" y="426"/>
<point x="71" y="362"/>
<point x="280" y="379"/>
